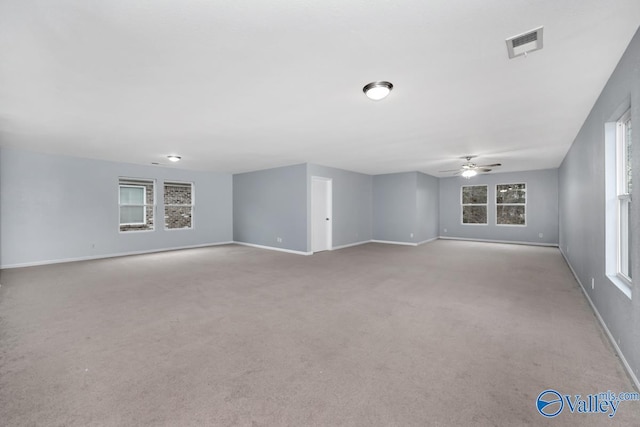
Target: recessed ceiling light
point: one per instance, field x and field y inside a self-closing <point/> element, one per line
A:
<point x="174" y="158"/>
<point x="377" y="90"/>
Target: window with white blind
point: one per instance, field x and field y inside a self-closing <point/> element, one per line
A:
<point x="135" y="201"/>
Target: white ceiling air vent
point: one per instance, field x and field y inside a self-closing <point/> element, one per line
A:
<point x="524" y="43"/>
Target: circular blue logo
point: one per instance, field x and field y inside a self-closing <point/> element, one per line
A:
<point x="549" y="403"/>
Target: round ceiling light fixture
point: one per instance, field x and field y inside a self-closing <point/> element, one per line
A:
<point x="377" y="90"/>
<point x="469" y="173"/>
<point x="174" y="158"/>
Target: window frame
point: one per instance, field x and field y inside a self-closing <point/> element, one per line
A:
<point x="623" y="198"/>
<point x="131" y="182"/>
<point x="143" y="205"/>
<point x="192" y="205"/>
<point x="462" y="205"/>
<point x="526" y="199"/>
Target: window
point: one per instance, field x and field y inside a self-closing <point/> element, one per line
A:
<point x="623" y="191"/>
<point x="135" y="200"/>
<point x="178" y="205"/>
<point x="618" y="189"/>
<point x="474" y="204"/>
<point x="511" y="204"/>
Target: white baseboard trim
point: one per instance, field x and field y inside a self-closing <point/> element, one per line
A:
<point x="427" y="241"/>
<point x="388" y="242"/>
<point x="509" y="242"/>
<point x="612" y="340"/>
<point x="335" y="248"/>
<point x="116" y="255"/>
<point x="391" y="242"/>
<point x="273" y="248"/>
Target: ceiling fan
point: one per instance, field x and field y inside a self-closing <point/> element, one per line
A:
<point x="470" y="169"/>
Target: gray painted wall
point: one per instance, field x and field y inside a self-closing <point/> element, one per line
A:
<point x="582" y="205"/>
<point x="427" y="204"/>
<point x="404" y="204"/>
<point x="271" y="203"/>
<point x="56" y="208"/>
<point x="394" y="207"/>
<point x="352" y="202"/>
<point x="542" y="208"/>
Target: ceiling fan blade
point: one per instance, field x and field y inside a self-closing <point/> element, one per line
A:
<point x="472" y="166"/>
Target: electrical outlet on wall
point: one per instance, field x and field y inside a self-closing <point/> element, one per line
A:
<point x="411" y="235"/>
<point x="279" y="239"/>
<point x="445" y="230"/>
<point x="540" y="235"/>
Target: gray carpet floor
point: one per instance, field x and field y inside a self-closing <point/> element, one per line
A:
<point x="448" y="333"/>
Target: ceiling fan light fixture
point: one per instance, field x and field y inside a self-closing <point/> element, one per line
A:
<point x="469" y="173"/>
<point x="377" y="90"/>
<point x="173" y="158"/>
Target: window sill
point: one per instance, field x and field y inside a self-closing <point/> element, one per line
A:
<point x="135" y="231"/>
<point x="621" y="284"/>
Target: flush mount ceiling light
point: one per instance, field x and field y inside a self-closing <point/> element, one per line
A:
<point x="469" y="173"/>
<point x="377" y="90"/>
<point x="174" y="158"/>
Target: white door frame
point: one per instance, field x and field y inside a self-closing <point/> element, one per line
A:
<point x="329" y="213"/>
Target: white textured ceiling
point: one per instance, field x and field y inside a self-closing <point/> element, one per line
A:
<point x="247" y="84"/>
